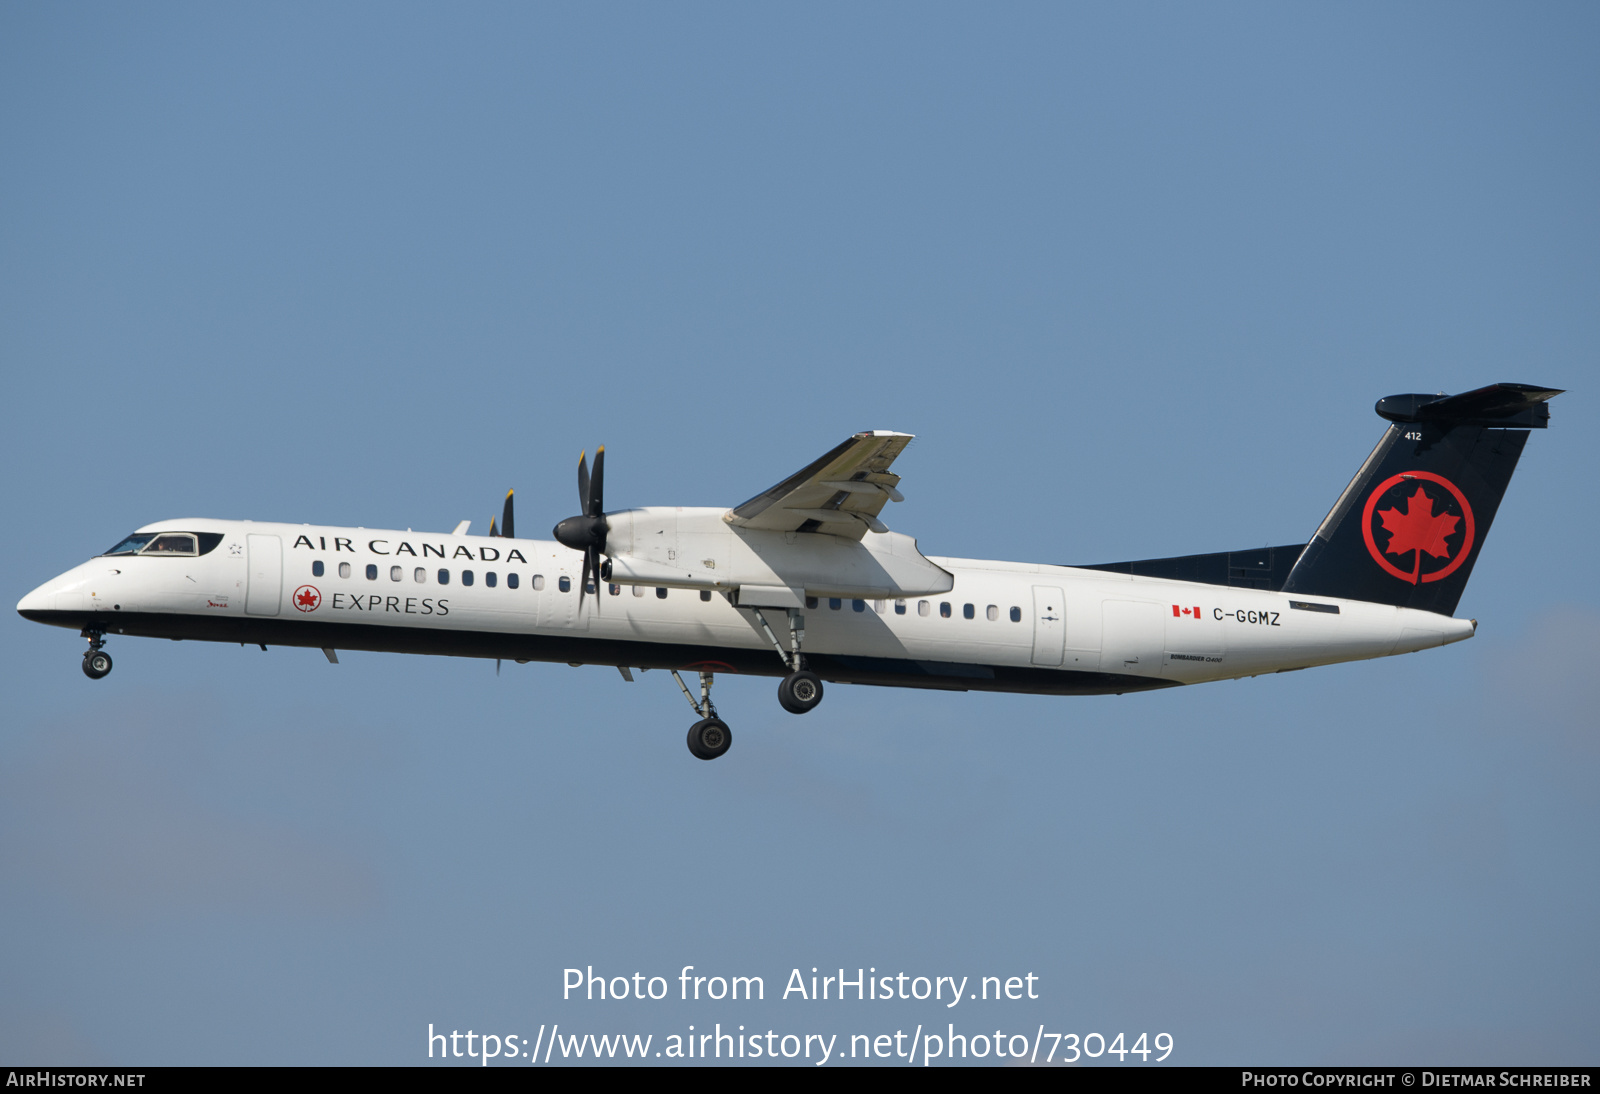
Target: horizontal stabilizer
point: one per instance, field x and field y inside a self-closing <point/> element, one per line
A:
<point x="1513" y="406"/>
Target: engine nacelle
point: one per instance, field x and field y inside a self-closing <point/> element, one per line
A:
<point x="698" y="549"/>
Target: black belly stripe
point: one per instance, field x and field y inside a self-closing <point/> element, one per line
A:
<point x="368" y="637"/>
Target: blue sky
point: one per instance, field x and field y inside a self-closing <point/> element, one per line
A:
<point x="1134" y="275"/>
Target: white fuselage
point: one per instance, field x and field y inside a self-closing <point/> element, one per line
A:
<point x="1000" y="626"/>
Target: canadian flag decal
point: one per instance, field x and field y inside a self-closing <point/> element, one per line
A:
<point x="1179" y="612"/>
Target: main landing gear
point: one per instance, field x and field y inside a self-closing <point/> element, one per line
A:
<point x="801" y="690"/>
<point x="96" y="662"/>
<point x="710" y="737"/>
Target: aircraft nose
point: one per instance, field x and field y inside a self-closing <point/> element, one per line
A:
<point x="41" y="599"/>
<point x="43" y="603"/>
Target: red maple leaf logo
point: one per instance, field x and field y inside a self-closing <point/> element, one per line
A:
<point x="1418" y="529"/>
<point x="306" y="598"/>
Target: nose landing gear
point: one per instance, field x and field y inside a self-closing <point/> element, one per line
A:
<point x="96" y="662"/>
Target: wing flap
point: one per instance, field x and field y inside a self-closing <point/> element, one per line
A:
<point x="841" y="493"/>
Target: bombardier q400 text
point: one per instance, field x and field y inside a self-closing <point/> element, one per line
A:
<point x="805" y="582"/>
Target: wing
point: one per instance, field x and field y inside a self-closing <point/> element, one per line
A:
<point x="840" y="494"/>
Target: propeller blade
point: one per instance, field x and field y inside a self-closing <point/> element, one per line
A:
<point x="585" y="532"/>
<point x="492" y="532"/>
<point x="594" y="503"/>
<point x="583" y="482"/>
<point x="505" y="518"/>
<point x="583" y="582"/>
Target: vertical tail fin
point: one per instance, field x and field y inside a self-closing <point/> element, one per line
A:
<point x="1410" y="526"/>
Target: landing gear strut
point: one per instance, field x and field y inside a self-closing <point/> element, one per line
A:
<point x="801" y="690"/>
<point x="710" y="737"/>
<point x="96" y="662"/>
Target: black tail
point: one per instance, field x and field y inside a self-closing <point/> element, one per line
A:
<point x="1410" y="525"/>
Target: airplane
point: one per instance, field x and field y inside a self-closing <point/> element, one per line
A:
<point x="806" y="582"/>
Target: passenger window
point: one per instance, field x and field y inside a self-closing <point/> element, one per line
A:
<point x="589" y="587"/>
<point x="880" y="606"/>
<point x="171" y="544"/>
<point x="538" y="583"/>
<point x="466" y="577"/>
<point x="420" y="575"/>
<point x="705" y="594"/>
<point x="858" y="605"/>
<point x="811" y="602"/>
<point x="444" y="577"/>
<point x="565" y="584"/>
<point x="372" y="572"/>
<point x="834" y="603"/>
<point x="899" y="607"/>
<point x="344" y="569"/>
<point x="512" y="581"/>
<point x="316" y="568"/>
<point x="944" y="609"/>
<point x="661" y="594"/>
<point x="993" y="612"/>
<point x="1016" y="615"/>
<point x="638" y="590"/>
<point x="923" y="607"/>
<point x="968" y="612"/>
<point x="397" y="573"/>
<point x="614" y="589"/>
<point x="491" y="579"/>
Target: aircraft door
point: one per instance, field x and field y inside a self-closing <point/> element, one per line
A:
<point x="265" y="589"/>
<point x="559" y="610"/>
<point x="1132" y="639"/>
<point x="1049" y="624"/>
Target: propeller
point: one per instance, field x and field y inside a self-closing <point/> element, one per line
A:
<point x="587" y="532"/>
<point x="505" y="520"/>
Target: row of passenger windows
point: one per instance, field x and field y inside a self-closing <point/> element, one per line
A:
<point x="638" y="590"/>
<point x="419" y="575"/>
<point x="924" y="608"/>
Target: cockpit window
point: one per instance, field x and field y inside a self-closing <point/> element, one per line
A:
<point x="171" y="543"/>
<point x="168" y="543"/>
<point x="131" y="545"/>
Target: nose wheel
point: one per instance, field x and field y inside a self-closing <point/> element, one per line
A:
<point x="96" y="661"/>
